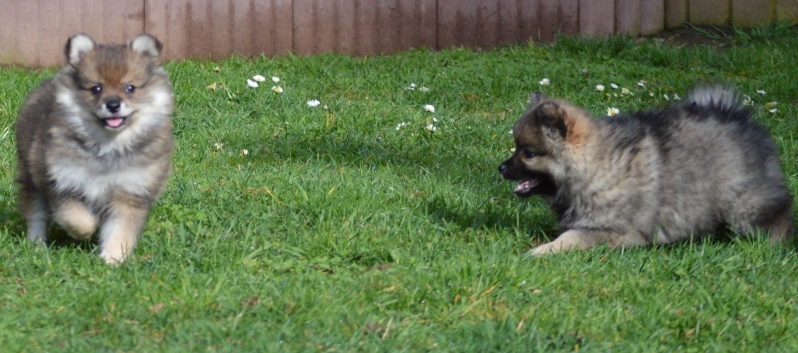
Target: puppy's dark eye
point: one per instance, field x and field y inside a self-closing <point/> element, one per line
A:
<point x="130" y="88"/>
<point x="527" y="153"/>
<point x="96" y="89"/>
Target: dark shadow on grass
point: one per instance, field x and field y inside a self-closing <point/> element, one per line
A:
<point x="14" y="224"/>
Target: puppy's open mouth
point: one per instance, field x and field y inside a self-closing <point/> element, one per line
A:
<point x="114" y="122"/>
<point x="527" y="187"/>
<point x="539" y="184"/>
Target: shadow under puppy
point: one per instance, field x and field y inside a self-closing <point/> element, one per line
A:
<point x="655" y="176"/>
<point x="94" y="144"/>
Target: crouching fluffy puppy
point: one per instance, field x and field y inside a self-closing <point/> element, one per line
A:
<point x="655" y="176"/>
<point x="94" y="144"/>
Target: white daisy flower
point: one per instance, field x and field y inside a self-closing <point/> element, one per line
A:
<point x="277" y="89"/>
<point x="259" y="78"/>
<point x="218" y="145"/>
<point x="614" y="86"/>
<point x="773" y="111"/>
<point x="642" y="83"/>
<point x="600" y="88"/>
<point x="511" y="132"/>
<point x="400" y="125"/>
<point x="624" y="90"/>
<point x="275" y="79"/>
<point x="676" y="97"/>
<point x="429" y="108"/>
<point x="251" y="83"/>
<point x="666" y="97"/>
<point x="431" y="127"/>
<point x="313" y="103"/>
<point x="612" y="111"/>
<point x="761" y="91"/>
<point x="545" y="82"/>
<point x="244" y="152"/>
<point x="423" y="89"/>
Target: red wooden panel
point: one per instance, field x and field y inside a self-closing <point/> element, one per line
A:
<point x="787" y="10"/>
<point x="596" y="17"/>
<point x="33" y="33"/>
<point x="202" y="28"/>
<point x="746" y="13"/>
<point x="467" y="23"/>
<point x="709" y="12"/>
<point x="675" y="13"/>
<point x="550" y="17"/>
<point x="627" y="17"/>
<point x="363" y="27"/>
<point x="652" y="16"/>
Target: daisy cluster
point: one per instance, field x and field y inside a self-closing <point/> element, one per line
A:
<point x="430" y="123"/>
<point x="619" y="91"/>
<point x="257" y="82"/>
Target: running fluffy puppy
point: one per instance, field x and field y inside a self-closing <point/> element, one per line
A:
<point x="655" y="176"/>
<point x="94" y="144"/>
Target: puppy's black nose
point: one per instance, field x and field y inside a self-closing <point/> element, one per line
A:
<point x="502" y="168"/>
<point x="113" y="105"/>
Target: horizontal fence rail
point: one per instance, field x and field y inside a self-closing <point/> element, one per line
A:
<point x="33" y="33"/>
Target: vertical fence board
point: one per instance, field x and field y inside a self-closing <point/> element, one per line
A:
<point x="596" y="17"/>
<point x="709" y="12"/>
<point x="389" y="26"/>
<point x="363" y="27"/>
<point x="627" y="17"/>
<point x="675" y="13"/>
<point x="164" y="19"/>
<point x="467" y="23"/>
<point x="314" y="26"/>
<point x="652" y="16"/>
<point x="747" y="13"/>
<point x="202" y="28"/>
<point x="26" y="36"/>
<point x="33" y="33"/>
<point x="483" y="23"/>
<point x="556" y="16"/>
<point x="787" y="10"/>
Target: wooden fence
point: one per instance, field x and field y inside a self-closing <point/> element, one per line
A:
<point x="33" y="32"/>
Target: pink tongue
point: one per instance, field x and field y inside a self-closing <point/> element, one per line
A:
<point x="114" y="122"/>
<point x="526" y="185"/>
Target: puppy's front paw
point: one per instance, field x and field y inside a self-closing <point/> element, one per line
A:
<point x="545" y="249"/>
<point x="113" y="259"/>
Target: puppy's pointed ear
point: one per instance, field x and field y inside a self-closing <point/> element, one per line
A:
<point x="536" y="98"/>
<point x="552" y="118"/>
<point x="77" y="46"/>
<point x="146" y="45"/>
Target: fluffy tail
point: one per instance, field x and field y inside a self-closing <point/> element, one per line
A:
<point x="715" y="97"/>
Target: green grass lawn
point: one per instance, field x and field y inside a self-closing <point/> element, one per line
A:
<point x="353" y="227"/>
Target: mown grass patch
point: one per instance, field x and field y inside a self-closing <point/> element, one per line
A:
<point x="356" y="228"/>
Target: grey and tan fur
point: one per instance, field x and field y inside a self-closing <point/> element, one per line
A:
<point x="95" y="144"/>
<point x="650" y="177"/>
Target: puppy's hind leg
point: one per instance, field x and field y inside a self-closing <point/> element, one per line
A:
<point x="79" y="222"/>
<point x="570" y="240"/>
<point x="580" y="239"/>
<point x="773" y="217"/>
<point x="34" y="208"/>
